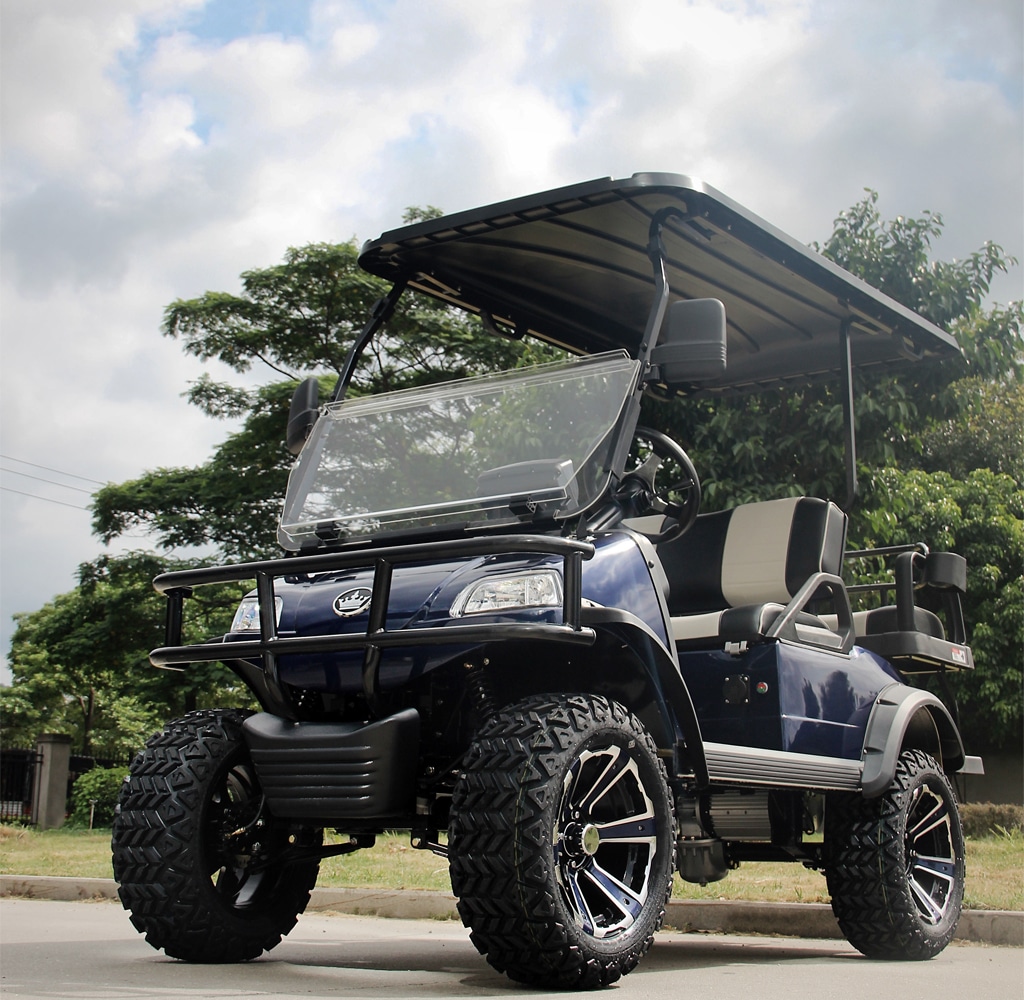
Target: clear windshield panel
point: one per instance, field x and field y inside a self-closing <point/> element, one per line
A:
<point x="513" y="447"/>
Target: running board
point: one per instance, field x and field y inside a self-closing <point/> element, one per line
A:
<point x="734" y="765"/>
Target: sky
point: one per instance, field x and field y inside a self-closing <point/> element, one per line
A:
<point x="154" y="149"/>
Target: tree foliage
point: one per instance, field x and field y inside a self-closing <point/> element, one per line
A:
<point x="895" y="257"/>
<point x="230" y="502"/>
<point x="981" y="516"/>
<point x="789" y="441"/>
<point x="953" y="474"/>
<point x="984" y="431"/>
<point x="94" y="797"/>
<point x="80" y="663"/>
<point x="299" y="318"/>
<point x="294" y="316"/>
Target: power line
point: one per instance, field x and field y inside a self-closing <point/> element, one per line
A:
<point x="35" y="496"/>
<point x="52" y="482"/>
<point x="46" y="468"/>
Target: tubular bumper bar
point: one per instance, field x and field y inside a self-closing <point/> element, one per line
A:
<point x="179" y="585"/>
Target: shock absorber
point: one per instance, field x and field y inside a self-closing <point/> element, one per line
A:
<point x="479" y="690"/>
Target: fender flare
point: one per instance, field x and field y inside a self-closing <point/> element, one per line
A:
<point x="897" y="708"/>
<point x="675" y="706"/>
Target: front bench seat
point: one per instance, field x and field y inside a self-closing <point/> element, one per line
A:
<point x="747" y="574"/>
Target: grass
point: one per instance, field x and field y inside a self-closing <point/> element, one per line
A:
<point x="81" y="853"/>
<point x="995" y="868"/>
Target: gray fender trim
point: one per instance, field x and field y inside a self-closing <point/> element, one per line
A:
<point x="895" y="709"/>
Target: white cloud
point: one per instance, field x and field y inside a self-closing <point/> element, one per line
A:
<point x="150" y="153"/>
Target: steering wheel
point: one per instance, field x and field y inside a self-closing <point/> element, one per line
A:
<point x="639" y="495"/>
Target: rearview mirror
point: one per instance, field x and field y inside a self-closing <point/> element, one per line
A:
<point x="302" y="414"/>
<point x="692" y="349"/>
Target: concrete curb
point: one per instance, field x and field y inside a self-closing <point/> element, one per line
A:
<point x="809" y="920"/>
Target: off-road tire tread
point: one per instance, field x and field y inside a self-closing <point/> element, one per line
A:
<point x="865" y="868"/>
<point x="156" y="857"/>
<point x="500" y="844"/>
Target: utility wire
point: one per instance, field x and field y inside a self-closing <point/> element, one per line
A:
<point x="52" y="482"/>
<point x="35" y="496"/>
<point x="46" y="468"/>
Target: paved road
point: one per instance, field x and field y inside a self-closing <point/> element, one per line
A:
<point x="89" y="951"/>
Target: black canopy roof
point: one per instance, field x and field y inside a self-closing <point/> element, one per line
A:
<point x="570" y="266"/>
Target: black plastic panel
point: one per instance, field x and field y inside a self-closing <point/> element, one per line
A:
<point x="336" y="771"/>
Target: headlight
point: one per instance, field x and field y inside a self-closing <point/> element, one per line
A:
<point x="247" y="617"/>
<point x="536" y="589"/>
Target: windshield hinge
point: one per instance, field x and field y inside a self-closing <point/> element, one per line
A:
<point x="328" y="531"/>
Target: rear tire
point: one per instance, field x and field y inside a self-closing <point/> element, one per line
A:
<point x="199" y="860"/>
<point x="562" y="841"/>
<point x="895" y="864"/>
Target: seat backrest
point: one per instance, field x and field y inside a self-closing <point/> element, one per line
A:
<point x="752" y="554"/>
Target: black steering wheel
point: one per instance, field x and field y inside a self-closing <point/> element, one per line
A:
<point x="639" y="494"/>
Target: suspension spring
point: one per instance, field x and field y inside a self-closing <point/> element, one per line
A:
<point x="481" y="694"/>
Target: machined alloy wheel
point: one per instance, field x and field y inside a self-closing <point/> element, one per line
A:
<point x="895" y="864"/>
<point x="562" y="841"/>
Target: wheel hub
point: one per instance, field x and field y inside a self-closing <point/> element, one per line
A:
<point x="581" y="840"/>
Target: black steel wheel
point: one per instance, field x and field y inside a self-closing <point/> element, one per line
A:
<point x="562" y="840"/>
<point x="895" y="864"/>
<point x="207" y="873"/>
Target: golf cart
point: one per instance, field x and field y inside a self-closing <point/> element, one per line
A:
<point x="497" y="630"/>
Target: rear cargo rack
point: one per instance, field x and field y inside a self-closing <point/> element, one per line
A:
<point x="904" y="639"/>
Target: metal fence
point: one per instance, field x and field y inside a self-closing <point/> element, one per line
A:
<point x="18" y="770"/>
<point x="17" y="783"/>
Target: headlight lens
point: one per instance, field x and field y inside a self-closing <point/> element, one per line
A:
<point x="494" y="594"/>
<point x="247" y="617"/>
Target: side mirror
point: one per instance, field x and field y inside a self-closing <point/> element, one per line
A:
<point x="692" y="349"/>
<point x="302" y="414"/>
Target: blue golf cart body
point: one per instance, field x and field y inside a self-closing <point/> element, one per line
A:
<point x="482" y="569"/>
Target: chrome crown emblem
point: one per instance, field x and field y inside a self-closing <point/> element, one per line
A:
<point x="351" y="602"/>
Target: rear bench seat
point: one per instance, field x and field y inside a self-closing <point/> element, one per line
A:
<point x="914" y="638"/>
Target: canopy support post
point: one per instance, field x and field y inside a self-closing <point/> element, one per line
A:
<point x="849" y="428"/>
<point x="379" y="315"/>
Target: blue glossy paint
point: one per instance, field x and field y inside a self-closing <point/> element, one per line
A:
<point x="800" y="699"/>
<point x="618" y="577"/>
<point x="308" y="610"/>
<point x="422" y="595"/>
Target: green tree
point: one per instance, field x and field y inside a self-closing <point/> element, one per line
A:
<point x="303" y="315"/>
<point x="299" y="317"/>
<point x="94" y="797"/>
<point x="954" y="473"/>
<point x="895" y="257"/>
<point x="789" y="441"/>
<point x="985" y="430"/>
<point x="981" y="516"/>
<point x="232" y="501"/>
<point x="80" y="663"/>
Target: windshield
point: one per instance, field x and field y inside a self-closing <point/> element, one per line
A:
<point x="519" y="446"/>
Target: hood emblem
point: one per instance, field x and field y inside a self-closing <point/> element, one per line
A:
<point x="352" y="602"/>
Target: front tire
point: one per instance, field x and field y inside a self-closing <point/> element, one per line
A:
<point x="562" y="840"/>
<point x="895" y="864"/>
<point x="201" y="864"/>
